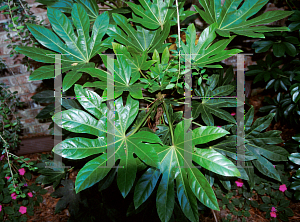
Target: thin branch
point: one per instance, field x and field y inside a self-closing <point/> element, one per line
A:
<point x="178" y="29"/>
<point x="23" y="7"/>
<point x="214" y="215"/>
<point x="5" y="146"/>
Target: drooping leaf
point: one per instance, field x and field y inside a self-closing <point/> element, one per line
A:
<point x="186" y="198"/>
<point x="126" y="174"/>
<point x="145" y="186"/>
<point x="165" y="198"/>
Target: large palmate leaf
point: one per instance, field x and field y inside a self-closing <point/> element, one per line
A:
<point x="142" y="143"/>
<point x="204" y="53"/>
<point x="124" y="79"/>
<point x="232" y="18"/>
<point x="77" y="48"/>
<point x="67" y="197"/>
<point x="212" y="101"/>
<point x="190" y="182"/>
<point x="138" y="40"/>
<point x="260" y="147"/>
<point x="152" y="15"/>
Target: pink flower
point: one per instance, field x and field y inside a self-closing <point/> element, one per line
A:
<point x="22" y="171"/>
<point x="7" y="178"/>
<point x="272" y="214"/>
<point x="2" y="157"/>
<point x="282" y="188"/>
<point x="0" y="208"/>
<point x="30" y="194"/>
<point x="239" y="183"/>
<point x="273" y="209"/>
<point x="233" y="114"/>
<point x="219" y="126"/>
<point x="13" y="196"/>
<point x="23" y="210"/>
<point x="274" y="166"/>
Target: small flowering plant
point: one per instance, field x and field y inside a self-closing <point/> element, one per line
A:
<point x="267" y="196"/>
<point x="17" y="198"/>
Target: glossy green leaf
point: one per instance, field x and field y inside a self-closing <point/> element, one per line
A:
<point x="73" y="76"/>
<point x="152" y="15"/>
<point x="174" y="161"/>
<point x="123" y="79"/>
<point x="143" y="143"/>
<point x="48" y="72"/>
<point x="78" y="121"/>
<point x="76" y="50"/>
<point x="206" y="134"/>
<point x="212" y="102"/>
<point x="295" y="158"/>
<point x="206" y="53"/>
<point x="138" y="62"/>
<point x="79" y="147"/>
<point x="186" y="198"/>
<point x="202" y="189"/>
<point x="215" y="162"/>
<point x="126" y="174"/>
<point x="91" y="173"/>
<point x="232" y="18"/>
<point x="37" y="54"/>
<point x="138" y="40"/>
<point x="90" y="101"/>
<point x="165" y="198"/>
<point x="145" y="186"/>
<point x="90" y="7"/>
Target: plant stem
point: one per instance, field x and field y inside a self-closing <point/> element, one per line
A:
<point x="143" y="74"/>
<point x="12" y="19"/>
<point x="170" y="122"/>
<point x="109" y="5"/>
<point x="197" y="124"/>
<point x="8" y="161"/>
<point x="18" y="158"/>
<point x="23" y="7"/>
<point x="214" y="215"/>
<point x="144" y="119"/>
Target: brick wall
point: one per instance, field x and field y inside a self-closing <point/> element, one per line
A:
<point x="16" y="78"/>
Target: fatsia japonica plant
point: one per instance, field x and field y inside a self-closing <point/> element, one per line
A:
<point x="144" y="70"/>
